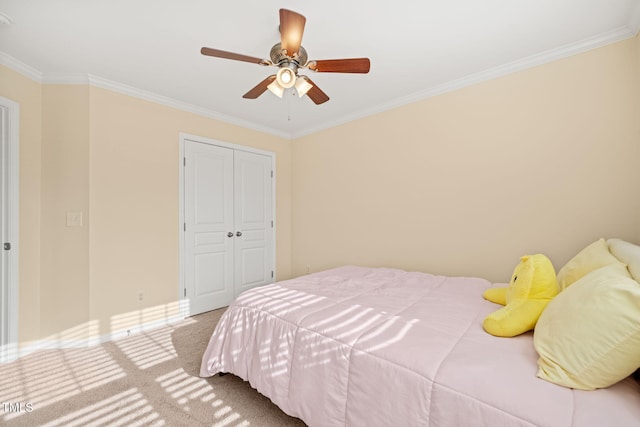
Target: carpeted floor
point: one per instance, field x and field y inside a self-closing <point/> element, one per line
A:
<point x="149" y="379"/>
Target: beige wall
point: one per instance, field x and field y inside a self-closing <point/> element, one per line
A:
<point x="134" y="204"/>
<point x="543" y="160"/>
<point x="64" y="257"/>
<point x="28" y="94"/>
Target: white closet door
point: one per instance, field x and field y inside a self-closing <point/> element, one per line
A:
<point x="208" y="221"/>
<point x="253" y="220"/>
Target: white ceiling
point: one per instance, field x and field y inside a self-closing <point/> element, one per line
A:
<point x="151" y="48"/>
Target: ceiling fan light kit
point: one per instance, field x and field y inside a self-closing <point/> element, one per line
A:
<point x="286" y="77"/>
<point x="275" y="89"/>
<point x="289" y="56"/>
<point x="303" y="86"/>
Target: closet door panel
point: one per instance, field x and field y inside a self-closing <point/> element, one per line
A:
<point x="208" y="220"/>
<point x="253" y="220"/>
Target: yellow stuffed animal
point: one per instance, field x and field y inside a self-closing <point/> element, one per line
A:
<point x="532" y="286"/>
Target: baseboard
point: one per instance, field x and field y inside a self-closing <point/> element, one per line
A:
<point x="12" y="352"/>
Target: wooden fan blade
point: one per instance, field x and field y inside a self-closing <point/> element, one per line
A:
<point x="291" y="29"/>
<point x="316" y="95"/>
<point x="353" y="65"/>
<point x="260" y="88"/>
<point x="230" y="55"/>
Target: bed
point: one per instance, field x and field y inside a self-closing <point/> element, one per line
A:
<point x="355" y="346"/>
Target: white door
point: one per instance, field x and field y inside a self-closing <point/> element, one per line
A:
<point x="253" y="213"/>
<point x="228" y="215"/>
<point x="208" y="222"/>
<point x="9" y="149"/>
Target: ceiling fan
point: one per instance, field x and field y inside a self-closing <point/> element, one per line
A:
<point x="289" y="56"/>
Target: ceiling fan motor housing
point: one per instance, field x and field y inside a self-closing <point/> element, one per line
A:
<point x="278" y="56"/>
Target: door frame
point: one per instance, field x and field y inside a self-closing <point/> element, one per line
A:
<point x="10" y="111"/>
<point x="185" y="310"/>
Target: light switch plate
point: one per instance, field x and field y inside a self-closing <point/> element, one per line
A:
<point x="74" y="219"/>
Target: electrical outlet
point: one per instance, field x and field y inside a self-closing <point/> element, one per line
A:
<point x="308" y="268"/>
<point x="140" y="296"/>
<point x="74" y="219"/>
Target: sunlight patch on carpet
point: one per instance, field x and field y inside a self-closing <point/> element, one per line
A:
<point x="49" y="377"/>
<point x="194" y="394"/>
<point x="148" y="349"/>
<point x="128" y="408"/>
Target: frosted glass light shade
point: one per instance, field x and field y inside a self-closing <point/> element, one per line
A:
<point x="286" y="77"/>
<point x="302" y="86"/>
<point x="276" y="89"/>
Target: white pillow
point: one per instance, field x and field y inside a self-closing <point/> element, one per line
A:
<point x="627" y="253"/>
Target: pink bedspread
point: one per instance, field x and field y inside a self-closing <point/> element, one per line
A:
<point x="356" y="346"/>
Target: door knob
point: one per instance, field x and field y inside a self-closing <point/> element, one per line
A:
<point x="239" y="233"/>
<point x="230" y="234"/>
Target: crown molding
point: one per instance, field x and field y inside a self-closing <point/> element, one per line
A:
<point x="20" y="67"/>
<point x="634" y="20"/>
<point x="179" y="105"/>
<point x="551" y="55"/>
<point x="65" y="79"/>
